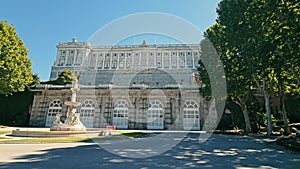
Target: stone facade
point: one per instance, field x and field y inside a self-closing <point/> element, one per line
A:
<point x="135" y="87"/>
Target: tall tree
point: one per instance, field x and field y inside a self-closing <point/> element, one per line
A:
<point x="15" y="66"/>
<point x="237" y="79"/>
<point x="244" y="35"/>
<point x="260" y="41"/>
<point x="283" y="30"/>
<point x="279" y="25"/>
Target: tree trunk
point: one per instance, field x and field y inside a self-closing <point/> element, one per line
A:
<point x="284" y="116"/>
<point x="242" y="103"/>
<point x="247" y="119"/>
<point x="267" y="103"/>
<point x="296" y="75"/>
<point x="268" y="112"/>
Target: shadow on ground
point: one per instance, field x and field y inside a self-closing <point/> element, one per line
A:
<point x="220" y="151"/>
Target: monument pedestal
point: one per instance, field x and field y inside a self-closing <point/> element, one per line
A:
<point x="66" y="128"/>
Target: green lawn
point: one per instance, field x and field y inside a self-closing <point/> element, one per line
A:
<point x="135" y="135"/>
<point x="5" y="132"/>
<point x="46" y="140"/>
<point x="71" y="139"/>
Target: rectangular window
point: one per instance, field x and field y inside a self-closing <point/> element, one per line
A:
<point x="99" y="65"/>
<point x="121" y="65"/>
<point x="174" y="64"/>
<point x="182" y="64"/>
<point x="114" y="65"/>
<point x="151" y="63"/>
<point x="106" y="66"/>
<point x="70" y="60"/>
<point x="158" y="65"/>
<point x="144" y="59"/>
<point x="61" y="61"/>
<point x="196" y="60"/>
<point x="136" y="60"/>
<point x="128" y="62"/>
<point x="166" y="63"/>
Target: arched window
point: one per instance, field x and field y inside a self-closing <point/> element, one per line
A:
<point x="54" y="107"/>
<point x="120" y="114"/>
<point x="191" y="120"/>
<point x="155" y="118"/>
<point x="87" y="113"/>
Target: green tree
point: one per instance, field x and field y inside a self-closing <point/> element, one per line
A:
<point x="283" y="30"/>
<point x="242" y="26"/>
<point x="15" y="66"/>
<point x="35" y="80"/>
<point x="259" y="44"/>
<point x="13" y="115"/>
<point x="237" y="78"/>
<point x="65" y="77"/>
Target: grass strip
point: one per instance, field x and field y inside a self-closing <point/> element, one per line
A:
<point x="135" y="134"/>
<point x="72" y="139"/>
<point x="59" y="139"/>
<point x="47" y="140"/>
<point x="5" y="132"/>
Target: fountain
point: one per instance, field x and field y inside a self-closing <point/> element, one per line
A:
<point x="72" y="121"/>
<point x="69" y="128"/>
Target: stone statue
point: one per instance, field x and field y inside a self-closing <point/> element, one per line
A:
<point x="57" y="119"/>
<point x="72" y="121"/>
<point x="75" y="120"/>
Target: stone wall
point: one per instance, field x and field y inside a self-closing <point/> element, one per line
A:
<point x="105" y="97"/>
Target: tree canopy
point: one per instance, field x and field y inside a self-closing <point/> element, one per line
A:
<point x="15" y="66"/>
<point x="258" y="42"/>
<point x="65" y="77"/>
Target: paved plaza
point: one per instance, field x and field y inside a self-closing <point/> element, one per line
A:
<point x="219" y="151"/>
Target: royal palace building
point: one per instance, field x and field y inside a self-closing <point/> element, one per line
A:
<point x="132" y="87"/>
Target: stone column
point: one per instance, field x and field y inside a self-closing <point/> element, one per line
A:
<point x="178" y="59"/>
<point x="110" y="60"/>
<point x="185" y="60"/>
<point x="193" y="59"/>
<point x="118" y="61"/>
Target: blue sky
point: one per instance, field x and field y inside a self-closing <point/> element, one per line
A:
<point x="42" y="24"/>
